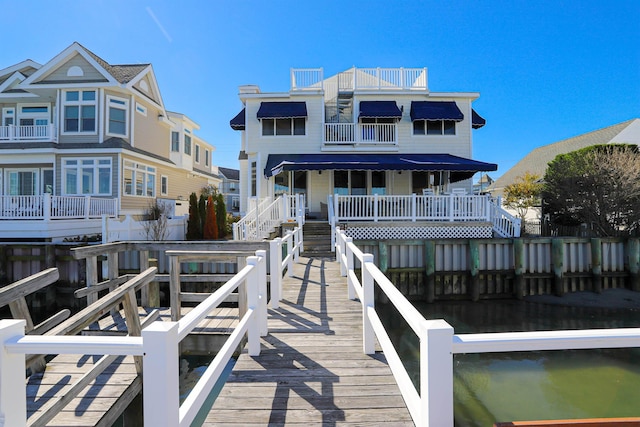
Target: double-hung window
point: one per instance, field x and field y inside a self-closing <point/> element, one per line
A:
<point x="175" y="142"/>
<point x="79" y="110"/>
<point x="117" y="123"/>
<point x="139" y="179"/>
<point x="187" y="142"/>
<point x="197" y="155"/>
<point x="290" y="126"/>
<point x="86" y="176"/>
<point x="206" y="157"/>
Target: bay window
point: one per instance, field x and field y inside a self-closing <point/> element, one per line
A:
<point x="86" y="176"/>
<point x="139" y="179"/>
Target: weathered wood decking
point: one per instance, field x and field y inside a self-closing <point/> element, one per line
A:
<point x="312" y="369"/>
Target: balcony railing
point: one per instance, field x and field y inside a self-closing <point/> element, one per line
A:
<point x="47" y="207"/>
<point x="359" y="133"/>
<point x="14" y="133"/>
<point x="304" y="79"/>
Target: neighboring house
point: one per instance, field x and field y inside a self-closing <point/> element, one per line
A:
<point x="364" y="131"/>
<point x="537" y="160"/>
<point x="230" y="189"/>
<point x="480" y="187"/>
<point x="81" y="138"/>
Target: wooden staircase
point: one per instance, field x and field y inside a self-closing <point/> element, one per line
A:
<point x="317" y="239"/>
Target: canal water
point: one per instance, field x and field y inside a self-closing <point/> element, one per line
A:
<point x="499" y="387"/>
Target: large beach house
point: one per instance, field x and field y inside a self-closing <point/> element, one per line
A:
<point x="81" y="138"/>
<point x="365" y="145"/>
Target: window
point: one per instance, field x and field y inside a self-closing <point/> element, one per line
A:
<point x="164" y="185"/>
<point x="79" y="110"/>
<point x="139" y="179"/>
<point x="197" y="156"/>
<point x="141" y="109"/>
<point x="22" y="182"/>
<point x="86" y="176"/>
<point x="47" y="181"/>
<point x="206" y="157"/>
<point x="117" y="120"/>
<point x="187" y="142"/>
<point x="290" y="126"/>
<point x="175" y="142"/>
<point x="378" y="182"/>
<point x="434" y="127"/>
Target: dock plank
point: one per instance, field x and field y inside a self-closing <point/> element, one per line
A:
<point x="312" y="369"/>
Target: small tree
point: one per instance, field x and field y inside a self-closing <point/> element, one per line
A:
<point x="155" y="224"/>
<point x="193" y="223"/>
<point x="202" y="210"/>
<point x="523" y="194"/>
<point x="221" y="215"/>
<point x="210" y="225"/>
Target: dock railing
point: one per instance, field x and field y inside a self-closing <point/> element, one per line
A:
<point x="432" y="404"/>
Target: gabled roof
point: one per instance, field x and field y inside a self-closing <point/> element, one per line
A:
<point x="26" y="68"/>
<point x="233" y="174"/>
<point x="537" y="160"/>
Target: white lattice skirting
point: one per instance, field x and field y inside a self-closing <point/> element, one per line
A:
<point x="419" y="230"/>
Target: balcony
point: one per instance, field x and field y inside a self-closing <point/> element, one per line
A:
<point x="33" y="133"/>
<point x="46" y="206"/>
<point x="361" y="134"/>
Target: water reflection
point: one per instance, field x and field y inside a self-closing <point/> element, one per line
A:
<point x="530" y="385"/>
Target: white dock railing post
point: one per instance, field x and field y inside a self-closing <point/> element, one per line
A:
<point x="275" y="271"/>
<point x="262" y="291"/>
<point x="253" y="330"/>
<point x="350" y="289"/>
<point x="289" y="240"/>
<point x="436" y="374"/>
<point x="160" y="392"/>
<point x="13" y="389"/>
<point x="340" y="243"/>
<point x="368" y="334"/>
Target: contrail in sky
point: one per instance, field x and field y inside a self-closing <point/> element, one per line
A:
<point x="153" y="16"/>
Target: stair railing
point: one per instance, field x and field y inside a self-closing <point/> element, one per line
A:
<point x="504" y="224"/>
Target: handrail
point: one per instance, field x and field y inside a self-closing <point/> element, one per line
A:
<point x="295" y="244"/>
<point x="505" y="224"/>
<point x="259" y="222"/>
<point x="432" y="405"/>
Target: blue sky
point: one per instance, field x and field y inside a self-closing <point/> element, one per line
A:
<point x="545" y="70"/>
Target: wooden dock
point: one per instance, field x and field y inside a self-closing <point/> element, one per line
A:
<point x="312" y="369"/>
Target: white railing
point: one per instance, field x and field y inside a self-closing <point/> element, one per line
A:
<point x="363" y="79"/>
<point x="294" y="244"/>
<point x="269" y="214"/>
<point x="504" y="224"/>
<point x="48" y="207"/>
<point x="14" y="133"/>
<point x="432" y="405"/>
<point x="159" y="346"/>
<point x="361" y="133"/>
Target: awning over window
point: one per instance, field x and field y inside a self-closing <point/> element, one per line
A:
<point x="476" y="120"/>
<point x="282" y="110"/>
<point x="238" y="122"/>
<point x="435" y="110"/>
<point x="376" y="109"/>
<point x="460" y="167"/>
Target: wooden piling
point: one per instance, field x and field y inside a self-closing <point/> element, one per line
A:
<point x="557" y="261"/>
<point x="430" y="269"/>
<point x="633" y="249"/>
<point x="383" y="256"/>
<point x="474" y="269"/>
<point x="518" y="267"/>
<point x="596" y="265"/>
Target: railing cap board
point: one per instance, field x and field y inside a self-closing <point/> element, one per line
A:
<point x="205" y="256"/>
<point x="28" y="285"/>
<point x="102" y="249"/>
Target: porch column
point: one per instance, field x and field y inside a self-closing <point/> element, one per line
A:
<point x="46" y="207"/>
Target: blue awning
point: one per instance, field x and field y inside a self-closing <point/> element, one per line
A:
<point x="375" y="109"/>
<point x="435" y="110"/>
<point x="476" y="120"/>
<point x="282" y="110"/>
<point x="238" y="122"/>
<point x="460" y="167"/>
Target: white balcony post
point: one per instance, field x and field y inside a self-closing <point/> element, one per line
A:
<point x="368" y="335"/>
<point x="451" y="205"/>
<point x="487" y="209"/>
<point x="87" y="205"/>
<point x="275" y="271"/>
<point x="285" y="207"/>
<point x="414" y="207"/>
<point x="375" y="208"/>
<point x="262" y="291"/>
<point x="351" y="292"/>
<point x="436" y="374"/>
<point x="253" y="330"/>
<point x="46" y="206"/>
<point x="160" y="390"/>
<point x="13" y="390"/>
<point x="289" y="240"/>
